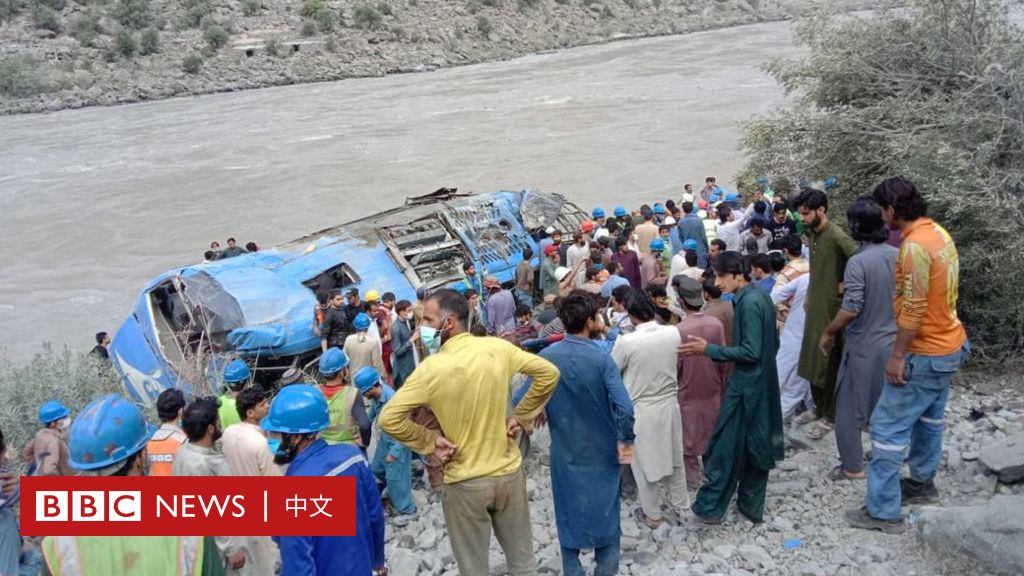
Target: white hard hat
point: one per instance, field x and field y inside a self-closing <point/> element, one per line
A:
<point x="669" y="221"/>
<point x="687" y="197"/>
<point x="561" y="272"/>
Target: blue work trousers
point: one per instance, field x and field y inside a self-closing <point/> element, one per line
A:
<point x="607" y="559"/>
<point x="397" y="475"/>
<point x="907" y="425"/>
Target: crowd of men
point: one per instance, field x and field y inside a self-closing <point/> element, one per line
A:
<point x="233" y="249"/>
<point x="677" y="343"/>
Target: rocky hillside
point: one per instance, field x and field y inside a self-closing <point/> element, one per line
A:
<point x="70" y="53"/>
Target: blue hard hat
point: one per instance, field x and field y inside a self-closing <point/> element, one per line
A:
<point x="333" y="361"/>
<point x="732" y="197"/>
<point x="51" y="411"/>
<point x="236" y="371"/>
<point x="366" y="378"/>
<point x="659" y="209"/>
<point x="620" y="212"/>
<point x="297" y="409"/>
<point x="362" y="321"/>
<point x="762" y="180"/>
<point x="421" y="292"/>
<point x="657" y="245"/>
<point x="690" y="244"/>
<point x="597" y="213"/>
<point x="107" y="431"/>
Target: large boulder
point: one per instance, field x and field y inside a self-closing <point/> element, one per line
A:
<point x="1006" y="458"/>
<point x="991" y="534"/>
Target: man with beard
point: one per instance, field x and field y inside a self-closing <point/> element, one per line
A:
<point x="297" y="415"/>
<point x="628" y="261"/>
<point x="781" y="225"/>
<point x="830" y="249"/>
<point x="591" y="421"/>
<point x="199" y="457"/>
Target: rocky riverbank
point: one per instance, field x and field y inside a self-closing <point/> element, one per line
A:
<point x="57" y="54"/>
<point x="804" y="532"/>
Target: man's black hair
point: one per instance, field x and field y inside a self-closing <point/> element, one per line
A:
<point x="720" y="243"/>
<point x="620" y="242"/>
<point x="467" y="265"/>
<point x="812" y="199"/>
<point x="523" y="310"/>
<point x="639" y="305"/>
<point x="248" y="399"/>
<point x="209" y="255"/>
<point x="619" y="293"/>
<point x="687" y="207"/>
<point x="199" y="415"/>
<point x="902" y="196"/>
<point x="232" y="239"/>
<point x="709" y="287"/>
<point x="778" y="207"/>
<point x="469" y="293"/>
<point x="591" y="273"/>
<point x="691" y="258"/>
<point x="670" y="204"/>
<point x="322" y="297"/>
<point x="575" y="309"/>
<point x="761" y="262"/>
<point x="732" y="263"/>
<point x="402" y="305"/>
<point x="169" y="403"/>
<point x="251" y="247"/>
<point x="760" y="206"/>
<point x="527" y="253"/>
<point x="388" y="297"/>
<point x="451" y="303"/>
<point x="709" y="179"/>
<point x="612" y="268"/>
<point x="724" y="212"/>
<point x="656" y="291"/>
<point x="864" y="218"/>
<point x="3" y="445"/>
<point x="757" y="222"/>
<point x="777" y="260"/>
<point x="100" y="336"/>
<point x="793" y="245"/>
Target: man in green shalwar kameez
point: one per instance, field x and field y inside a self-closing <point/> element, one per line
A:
<point x="747" y="440"/>
<point x="830" y="247"/>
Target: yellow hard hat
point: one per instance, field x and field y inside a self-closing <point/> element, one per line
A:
<point x="372" y="296"/>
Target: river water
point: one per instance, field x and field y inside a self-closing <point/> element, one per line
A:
<point x="97" y="201"/>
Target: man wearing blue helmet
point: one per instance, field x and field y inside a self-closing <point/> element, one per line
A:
<point x="296" y="419"/>
<point x="109" y="439"/>
<point x="651" y="272"/>
<point x="391" y="462"/>
<point x="48" y="450"/>
<point x="349" y="424"/>
<point x="236" y="376"/>
<point x="598" y="216"/>
<point x="363" y="348"/>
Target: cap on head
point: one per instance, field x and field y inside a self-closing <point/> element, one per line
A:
<point x="702" y="204"/>
<point x="587" y="226"/>
<point x="107" y="431"/>
<point x="732" y="197"/>
<point x="561" y="272"/>
<point x="372" y="296"/>
<point x="550" y="249"/>
<point x="333" y="361"/>
<point x="236" y="371"/>
<point x="597" y="213"/>
<point x="659" y="209"/>
<point x="491" y="282"/>
<point x="620" y="212"/>
<point x="366" y="378"/>
<point x="657" y="245"/>
<point x="51" y="411"/>
<point x="669" y="221"/>
<point x="297" y="409"/>
<point x="690" y="244"/>
<point x="689" y="290"/>
<point x="421" y="292"/>
<point x="362" y="322"/>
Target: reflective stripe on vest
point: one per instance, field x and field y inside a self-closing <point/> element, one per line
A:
<point x="161" y="455"/>
<point x="346" y="465"/>
<point x="343" y="428"/>
<point x="125" y="555"/>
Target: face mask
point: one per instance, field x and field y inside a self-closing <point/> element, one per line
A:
<point x="65" y="423"/>
<point x="275" y="445"/>
<point x="286" y="455"/>
<point x="433" y="338"/>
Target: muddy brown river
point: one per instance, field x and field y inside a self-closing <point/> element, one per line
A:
<point x="97" y="201"/>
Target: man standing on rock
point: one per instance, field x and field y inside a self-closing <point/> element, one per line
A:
<point x="930" y="345"/>
<point x="591" y="421"/>
<point x="747" y="440"/>
<point x="830" y="248"/>
<point x="466" y="384"/>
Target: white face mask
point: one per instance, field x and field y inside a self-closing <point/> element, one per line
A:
<point x="65" y="423"/>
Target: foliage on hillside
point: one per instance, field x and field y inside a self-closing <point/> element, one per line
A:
<point x="934" y="92"/>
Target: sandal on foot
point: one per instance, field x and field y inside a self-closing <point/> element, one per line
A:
<point x="643" y="519"/>
<point x="837" y="474"/>
<point x="820" y="429"/>
<point x="805" y="417"/>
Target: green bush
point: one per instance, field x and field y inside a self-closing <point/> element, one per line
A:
<point x="195" y="12"/>
<point x="192" y="63"/>
<point x="215" y="35"/>
<point x="149" y="42"/>
<point x="135" y="14"/>
<point x="19" y="76"/>
<point x="905" y="92"/>
<point x="366" y="16"/>
<point x="483" y="26"/>
<point x="251" y="7"/>
<point x="45" y="18"/>
<point x="309" y="28"/>
<point x="125" y="43"/>
<point x="331" y="44"/>
<point x="9" y="9"/>
<point x="273" y="47"/>
<point x="61" y="375"/>
<point x="318" y="12"/>
<point x="84" y="28"/>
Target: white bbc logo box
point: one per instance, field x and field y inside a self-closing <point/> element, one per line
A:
<point x="88" y="506"/>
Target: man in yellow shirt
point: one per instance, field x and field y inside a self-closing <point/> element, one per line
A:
<point x="466" y="383"/>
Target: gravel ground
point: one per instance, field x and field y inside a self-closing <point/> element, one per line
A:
<point x="803" y="533"/>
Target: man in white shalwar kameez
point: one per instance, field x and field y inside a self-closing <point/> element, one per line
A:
<point x="247" y="453"/>
<point x="647" y="359"/>
<point x="793" y="389"/>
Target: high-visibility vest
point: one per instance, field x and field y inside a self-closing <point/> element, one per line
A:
<point x="162" y="451"/>
<point x="123" y="555"/>
<point x="228" y="412"/>
<point x="343" y="428"/>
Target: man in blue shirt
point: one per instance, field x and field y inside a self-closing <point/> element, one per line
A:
<point x="296" y="417"/>
<point x="391" y="462"/>
<point x="590" y="417"/>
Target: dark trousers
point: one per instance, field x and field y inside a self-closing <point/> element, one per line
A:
<point x="728" y="471"/>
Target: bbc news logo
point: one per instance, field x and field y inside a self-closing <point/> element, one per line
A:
<point x="88" y="506"/>
<point x="169" y="506"/>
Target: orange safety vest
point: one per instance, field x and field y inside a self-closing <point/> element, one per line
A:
<point x="163" y="449"/>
